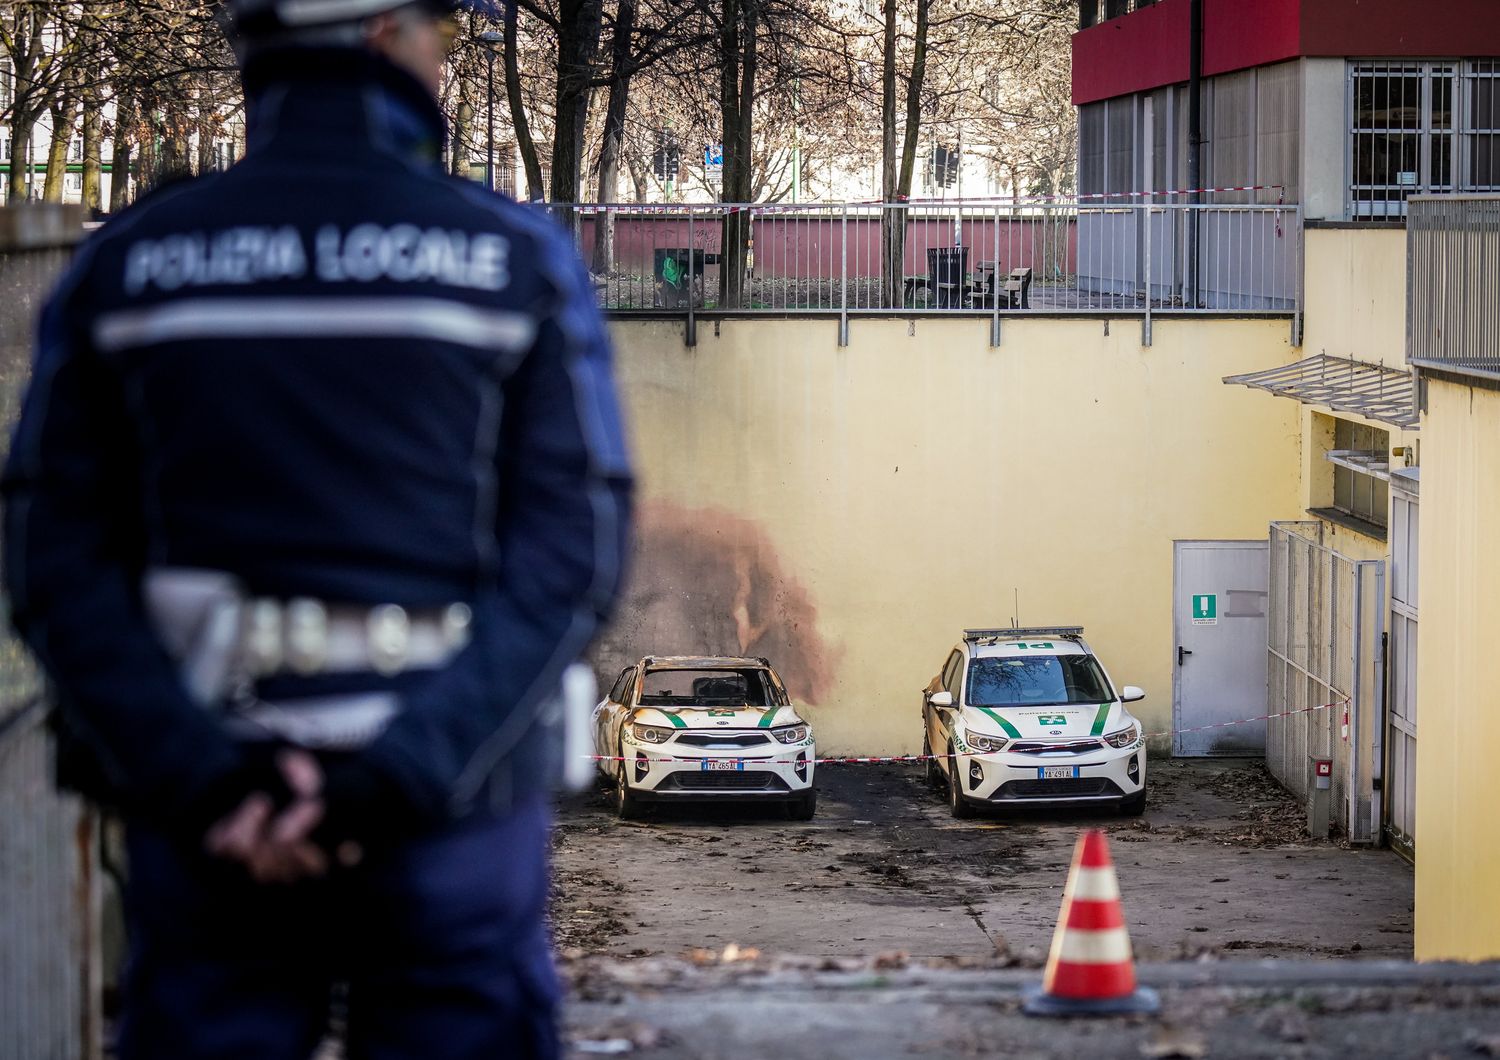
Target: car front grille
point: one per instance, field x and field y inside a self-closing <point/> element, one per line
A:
<point x="1074" y="787"/>
<point x="723" y="739"/>
<point x="737" y="780"/>
<point x="1042" y="747"/>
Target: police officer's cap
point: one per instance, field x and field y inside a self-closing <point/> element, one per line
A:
<point x="254" y="17"/>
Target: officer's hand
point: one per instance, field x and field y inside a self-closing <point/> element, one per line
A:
<point x="275" y="847"/>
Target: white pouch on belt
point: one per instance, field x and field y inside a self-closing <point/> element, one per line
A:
<point x="199" y="616"/>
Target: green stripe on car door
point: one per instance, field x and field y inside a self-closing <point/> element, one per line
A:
<point x="1099" y="719"/>
<point x="1010" y="730"/>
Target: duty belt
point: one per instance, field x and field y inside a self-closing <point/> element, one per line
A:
<point x="225" y="640"/>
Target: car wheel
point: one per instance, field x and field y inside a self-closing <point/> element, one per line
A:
<point x="802" y="807"/>
<point x="958" y="806"/>
<point x="933" y="771"/>
<point x="1133" y="805"/>
<point x="627" y="806"/>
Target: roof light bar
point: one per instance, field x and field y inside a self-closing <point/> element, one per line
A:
<point x="1022" y="632"/>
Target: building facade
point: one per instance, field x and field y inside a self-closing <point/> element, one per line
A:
<point x="1348" y="107"/>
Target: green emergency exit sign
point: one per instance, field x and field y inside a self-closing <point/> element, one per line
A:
<point x="1206" y="609"/>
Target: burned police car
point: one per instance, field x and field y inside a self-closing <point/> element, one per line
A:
<point x="709" y="728"/>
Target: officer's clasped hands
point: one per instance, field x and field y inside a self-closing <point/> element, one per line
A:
<point x="274" y="842"/>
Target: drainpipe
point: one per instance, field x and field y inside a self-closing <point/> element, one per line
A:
<point x="1195" y="138"/>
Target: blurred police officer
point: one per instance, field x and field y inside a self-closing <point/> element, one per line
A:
<point x="318" y="488"/>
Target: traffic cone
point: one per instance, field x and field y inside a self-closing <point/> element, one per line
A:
<point x="1090" y="971"/>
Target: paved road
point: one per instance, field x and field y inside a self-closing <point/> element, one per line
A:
<point x="1217" y="867"/>
<point x="664" y="1010"/>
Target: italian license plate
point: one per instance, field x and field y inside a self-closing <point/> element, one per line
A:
<point x="711" y="764"/>
<point x="1056" y="772"/>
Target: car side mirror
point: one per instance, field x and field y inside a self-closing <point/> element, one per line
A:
<point x="1131" y="694"/>
<point x="941" y="699"/>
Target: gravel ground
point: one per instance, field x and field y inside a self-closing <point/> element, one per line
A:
<point x="886" y="928"/>
<point x="1218" y="866"/>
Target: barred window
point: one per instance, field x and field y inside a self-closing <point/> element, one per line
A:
<point x="1421" y="127"/>
<point x="1480" y="126"/>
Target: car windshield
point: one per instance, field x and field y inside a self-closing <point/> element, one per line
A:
<point x="718" y="688"/>
<point x="1036" y="680"/>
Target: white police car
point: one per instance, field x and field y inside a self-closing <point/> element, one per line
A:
<point x="686" y="728"/>
<point x="1030" y="716"/>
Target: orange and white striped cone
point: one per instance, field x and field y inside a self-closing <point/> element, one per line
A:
<point x="1090" y="971"/>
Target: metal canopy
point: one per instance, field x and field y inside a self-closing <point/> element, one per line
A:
<point x="1370" y="390"/>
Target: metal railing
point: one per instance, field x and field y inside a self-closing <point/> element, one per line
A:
<point x="1452" y="261"/>
<point x="955" y="257"/>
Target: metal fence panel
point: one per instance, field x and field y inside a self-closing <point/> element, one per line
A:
<point x="1324" y="646"/>
<point x="50" y="960"/>
<point x="1453" y="257"/>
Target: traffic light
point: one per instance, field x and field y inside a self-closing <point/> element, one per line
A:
<point x="944" y="166"/>
<point x="666" y="160"/>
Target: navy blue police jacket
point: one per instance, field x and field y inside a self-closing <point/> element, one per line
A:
<point x="335" y="372"/>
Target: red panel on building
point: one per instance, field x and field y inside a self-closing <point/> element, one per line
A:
<point x="1375" y="29"/>
<point x="1239" y="35"/>
<point x="1142" y="50"/>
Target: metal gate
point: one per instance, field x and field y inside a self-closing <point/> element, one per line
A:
<point x="1401" y="728"/>
<point x="1325" y="634"/>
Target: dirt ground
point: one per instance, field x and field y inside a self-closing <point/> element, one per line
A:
<point x="1218" y="868"/>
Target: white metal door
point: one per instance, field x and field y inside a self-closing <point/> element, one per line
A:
<point x="1219" y="621"/>
<point x="1401" y="720"/>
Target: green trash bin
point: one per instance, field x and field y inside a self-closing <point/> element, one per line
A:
<point x="675" y="269"/>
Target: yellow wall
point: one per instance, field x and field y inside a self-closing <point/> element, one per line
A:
<point x="1355" y="306"/>
<point x="847" y="511"/>
<point x="1355" y="300"/>
<point x="1458" y="783"/>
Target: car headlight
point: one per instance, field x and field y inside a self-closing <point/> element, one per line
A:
<point x="650" y="733"/>
<point x="985" y="744"/>
<point x="1125" y="737"/>
<point x="790" y="733"/>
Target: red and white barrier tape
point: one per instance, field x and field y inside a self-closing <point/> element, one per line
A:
<point x="881" y="759"/>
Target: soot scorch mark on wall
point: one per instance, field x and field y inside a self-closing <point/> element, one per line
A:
<point x="706" y="582"/>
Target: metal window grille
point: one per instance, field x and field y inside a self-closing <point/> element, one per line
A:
<point x="7" y="84"/>
<point x="1361" y="486"/>
<point x="1421" y="128"/>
